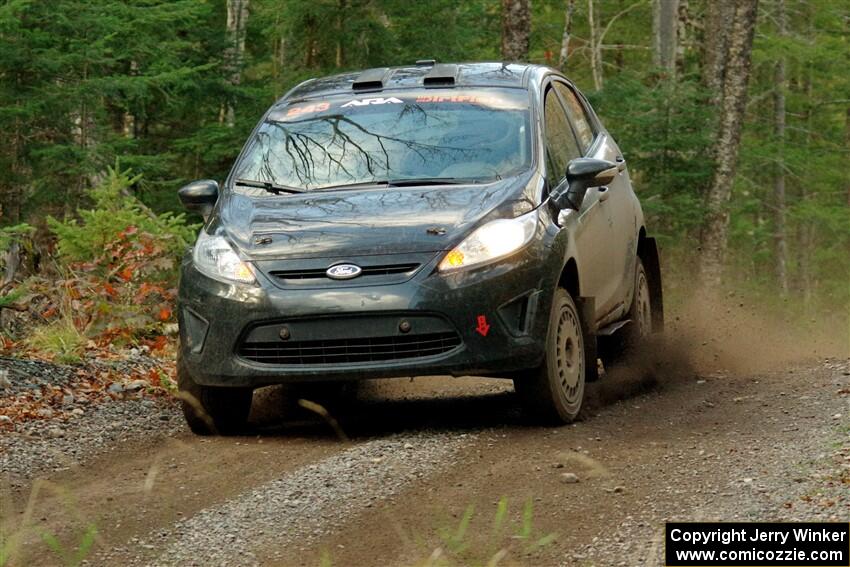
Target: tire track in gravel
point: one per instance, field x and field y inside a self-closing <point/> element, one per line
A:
<point x="768" y="446"/>
<point x="138" y="488"/>
<point x="304" y="505"/>
<point x="51" y="447"/>
<point x="128" y="467"/>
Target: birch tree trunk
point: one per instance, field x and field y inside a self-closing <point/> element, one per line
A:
<point x="595" y="47"/>
<point x="237" y="20"/>
<point x="278" y="53"/>
<point x="516" y="29"/>
<point x="718" y="22"/>
<point x="682" y="37"/>
<point x="779" y="224"/>
<point x="340" y="30"/>
<point x="665" y="23"/>
<point x="565" y="38"/>
<point x="732" y="107"/>
<point x="128" y="119"/>
<point x="805" y="231"/>
<point x="84" y="132"/>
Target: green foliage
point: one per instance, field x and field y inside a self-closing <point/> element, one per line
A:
<point x="115" y="209"/>
<point x="83" y="82"/>
<point x="118" y="274"/>
<point x="812" y="157"/>
<point x="666" y="136"/>
<point x="11" y="297"/>
<point x="72" y="557"/>
<point x="454" y="538"/>
<point x="15" y="233"/>
<point x="469" y="545"/>
<point x="464" y="545"/>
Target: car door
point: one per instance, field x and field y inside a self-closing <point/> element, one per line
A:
<point x="618" y="202"/>
<point x="589" y="225"/>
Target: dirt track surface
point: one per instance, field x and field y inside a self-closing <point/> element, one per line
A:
<point x="671" y="444"/>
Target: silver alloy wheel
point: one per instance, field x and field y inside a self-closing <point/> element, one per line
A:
<point x="569" y="356"/>
<point x="644" y="307"/>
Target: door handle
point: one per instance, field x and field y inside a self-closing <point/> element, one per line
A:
<point x="603" y="193"/>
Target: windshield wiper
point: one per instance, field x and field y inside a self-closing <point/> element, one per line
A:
<point x="402" y="182"/>
<point x="352" y="186"/>
<point x="268" y="186"/>
<point x="429" y="181"/>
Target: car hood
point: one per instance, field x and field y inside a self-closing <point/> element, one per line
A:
<point x="365" y="222"/>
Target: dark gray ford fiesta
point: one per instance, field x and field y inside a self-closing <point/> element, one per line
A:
<point x="470" y="219"/>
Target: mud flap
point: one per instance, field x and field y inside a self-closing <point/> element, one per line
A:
<point x="649" y="255"/>
<point x="587" y="308"/>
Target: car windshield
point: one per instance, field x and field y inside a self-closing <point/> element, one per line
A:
<point x="461" y="135"/>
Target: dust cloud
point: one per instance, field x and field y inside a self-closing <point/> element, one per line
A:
<point x="717" y="338"/>
<point x="729" y="335"/>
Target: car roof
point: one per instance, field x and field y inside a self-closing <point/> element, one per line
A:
<point x="422" y="74"/>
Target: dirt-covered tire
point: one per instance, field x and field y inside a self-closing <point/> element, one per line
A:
<point x="640" y="312"/>
<point x="617" y="348"/>
<point x="554" y="392"/>
<point x="210" y="410"/>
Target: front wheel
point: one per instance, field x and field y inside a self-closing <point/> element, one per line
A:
<point x="213" y="411"/>
<point x="555" y="391"/>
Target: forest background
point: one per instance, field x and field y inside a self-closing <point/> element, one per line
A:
<point x="734" y="117"/>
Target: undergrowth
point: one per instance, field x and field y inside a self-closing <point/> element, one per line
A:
<point x="111" y="282"/>
<point x="462" y="546"/>
<point x="471" y="543"/>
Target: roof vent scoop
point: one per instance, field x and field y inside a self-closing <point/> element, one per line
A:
<point x="370" y="79"/>
<point x="441" y="75"/>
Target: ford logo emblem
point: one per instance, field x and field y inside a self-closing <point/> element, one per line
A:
<point x="343" y="271"/>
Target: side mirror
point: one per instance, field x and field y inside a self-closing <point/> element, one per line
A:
<point x="199" y="196"/>
<point x="582" y="174"/>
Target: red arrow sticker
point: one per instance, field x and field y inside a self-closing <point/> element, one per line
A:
<point x="483" y="328"/>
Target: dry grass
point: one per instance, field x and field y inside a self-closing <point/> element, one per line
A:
<point x="59" y="340"/>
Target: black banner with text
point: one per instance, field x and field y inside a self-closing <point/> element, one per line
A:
<point x="744" y="544"/>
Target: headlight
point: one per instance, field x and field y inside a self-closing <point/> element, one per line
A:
<point x="488" y="243"/>
<point x="214" y="257"/>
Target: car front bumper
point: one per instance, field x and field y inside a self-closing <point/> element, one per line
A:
<point x="498" y="314"/>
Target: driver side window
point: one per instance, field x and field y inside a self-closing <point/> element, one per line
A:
<point x="561" y="145"/>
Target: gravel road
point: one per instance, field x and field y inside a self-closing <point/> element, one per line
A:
<point x="71" y="424"/>
<point x="47" y="447"/>
<point x="684" y="446"/>
<point x="793" y="464"/>
<point x="295" y="510"/>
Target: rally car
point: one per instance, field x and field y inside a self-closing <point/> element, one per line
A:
<point x="431" y="219"/>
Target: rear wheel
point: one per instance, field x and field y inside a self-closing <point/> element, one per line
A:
<point x="640" y="311"/>
<point x="618" y="347"/>
<point x="210" y="410"/>
<point x="555" y="391"/>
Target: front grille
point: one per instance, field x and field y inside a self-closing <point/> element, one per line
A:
<point x="318" y="273"/>
<point x="337" y="351"/>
